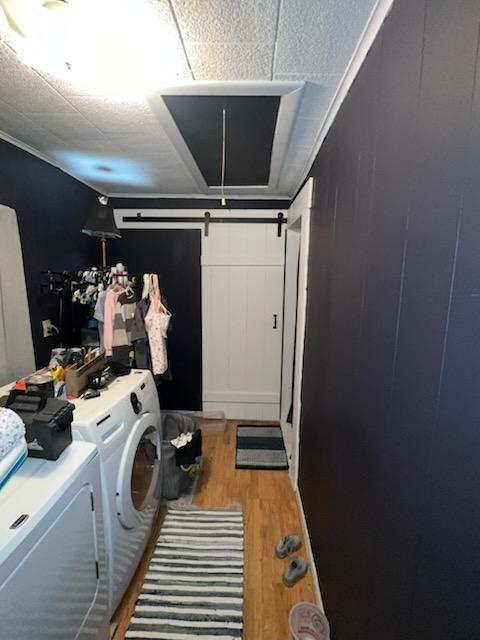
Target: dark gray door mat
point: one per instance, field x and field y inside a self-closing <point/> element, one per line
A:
<point x="260" y="447"/>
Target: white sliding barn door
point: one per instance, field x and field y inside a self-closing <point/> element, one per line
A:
<point x="242" y="293"/>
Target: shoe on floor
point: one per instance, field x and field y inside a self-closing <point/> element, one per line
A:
<point x="296" y="570"/>
<point x="287" y="545"/>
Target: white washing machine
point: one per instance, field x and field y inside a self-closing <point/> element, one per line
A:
<point x="53" y="574"/>
<point x="124" y="423"/>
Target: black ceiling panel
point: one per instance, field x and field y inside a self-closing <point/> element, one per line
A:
<point x="250" y="129"/>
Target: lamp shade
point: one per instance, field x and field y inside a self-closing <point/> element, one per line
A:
<point x="101" y="223"/>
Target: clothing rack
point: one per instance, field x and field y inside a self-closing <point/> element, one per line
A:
<point x="86" y="287"/>
<point x="57" y="278"/>
<point x="99" y="271"/>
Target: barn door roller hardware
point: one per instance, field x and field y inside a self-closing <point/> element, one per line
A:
<point x="279" y="220"/>
<point x="208" y="220"/>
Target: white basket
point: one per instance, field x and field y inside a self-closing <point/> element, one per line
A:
<point x="308" y="622"/>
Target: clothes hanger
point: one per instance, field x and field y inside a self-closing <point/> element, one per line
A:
<point x="157" y="297"/>
<point x="146" y="286"/>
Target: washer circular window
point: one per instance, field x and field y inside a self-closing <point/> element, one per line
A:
<point x="143" y="469"/>
<point x="138" y="473"/>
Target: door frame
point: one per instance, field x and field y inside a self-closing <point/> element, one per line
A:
<point x="298" y="222"/>
<point x="157" y="219"/>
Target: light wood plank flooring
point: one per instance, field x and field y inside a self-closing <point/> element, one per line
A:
<point x="270" y="510"/>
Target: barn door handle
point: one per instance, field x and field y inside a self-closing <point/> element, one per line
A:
<point x="274" y="320"/>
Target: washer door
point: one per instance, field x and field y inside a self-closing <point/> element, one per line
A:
<point x="138" y="472"/>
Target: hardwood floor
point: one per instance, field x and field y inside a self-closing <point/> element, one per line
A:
<point x="270" y="511"/>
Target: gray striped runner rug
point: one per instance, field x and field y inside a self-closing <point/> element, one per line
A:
<point x="193" y="589"/>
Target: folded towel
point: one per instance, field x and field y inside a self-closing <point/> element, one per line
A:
<point x="12" y="430"/>
<point x="13" y="461"/>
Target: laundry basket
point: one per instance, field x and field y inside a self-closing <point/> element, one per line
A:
<point x="308" y="622"/>
<point x="175" y="480"/>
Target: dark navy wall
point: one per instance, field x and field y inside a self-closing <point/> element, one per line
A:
<point x="51" y="208"/>
<point x="390" y="436"/>
<point x="174" y="254"/>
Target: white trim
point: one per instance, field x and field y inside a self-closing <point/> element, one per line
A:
<point x="235" y="261"/>
<point x="199" y="213"/>
<point x="290" y="94"/>
<point x="234" y="88"/>
<point x="287" y="116"/>
<point x="308" y="548"/>
<point x="198" y="196"/>
<point x="301" y="327"/>
<point x="218" y="187"/>
<point x="372" y="27"/>
<point x="299" y="217"/>
<point x="162" y="225"/>
<point x="241" y="397"/>
<point x="168" y="124"/>
<point x="161" y="214"/>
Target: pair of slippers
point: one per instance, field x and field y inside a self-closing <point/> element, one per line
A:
<point x="298" y="566"/>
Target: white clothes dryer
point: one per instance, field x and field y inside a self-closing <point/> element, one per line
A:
<point x="53" y="574"/>
<point x="124" y="422"/>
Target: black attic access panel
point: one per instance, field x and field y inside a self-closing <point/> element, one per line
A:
<point x="251" y="122"/>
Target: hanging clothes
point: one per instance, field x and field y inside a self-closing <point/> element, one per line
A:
<point x="156" y="323"/>
<point x="99" y="315"/>
<point x="115" y="335"/>
<point x="128" y="301"/>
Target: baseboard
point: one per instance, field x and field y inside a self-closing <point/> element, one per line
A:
<point x="308" y="547"/>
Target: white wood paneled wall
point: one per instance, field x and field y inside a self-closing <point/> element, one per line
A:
<point x="242" y="280"/>
<point x="16" y="344"/>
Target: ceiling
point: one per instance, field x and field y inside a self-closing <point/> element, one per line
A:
<point x="298" y="50"/>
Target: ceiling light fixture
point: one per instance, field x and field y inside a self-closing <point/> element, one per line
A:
<point x="116" y="48"/>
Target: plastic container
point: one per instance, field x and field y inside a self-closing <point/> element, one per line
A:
<point x="308" y="622"/>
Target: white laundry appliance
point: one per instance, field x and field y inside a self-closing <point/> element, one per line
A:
<point x="124" y="423"/>
<point x="53" y="574"/>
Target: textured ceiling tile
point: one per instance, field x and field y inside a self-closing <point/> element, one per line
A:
<point x="227" y="21"/>
<point x="36" y="138"/>
<point x="319" y="36"/>
<point x="23" y="128"/>
<point x="65" y="125"/>
<point x="219" y="61"/>
<point x="120" y="146"/>
<point x="99" y="145"/>
<point x="23" y="88"/>
<point x="115" y="116"/>
<point x="64" y="86"/>
<point x="156" y="141"/>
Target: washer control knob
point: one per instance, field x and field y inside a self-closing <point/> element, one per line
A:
<point x="136" y="404"/>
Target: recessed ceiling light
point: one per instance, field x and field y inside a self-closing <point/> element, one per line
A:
<point x="116" y="48"/>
